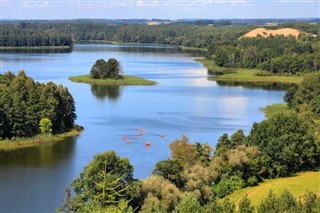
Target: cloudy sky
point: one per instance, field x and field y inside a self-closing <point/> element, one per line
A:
<point x="162" y="9"/>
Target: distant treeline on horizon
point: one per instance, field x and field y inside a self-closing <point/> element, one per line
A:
<point x="218" y="22"/>
<point x="189" y="33"/>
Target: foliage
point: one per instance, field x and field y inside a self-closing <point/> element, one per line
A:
<point x="171" y="170"/>
<point x="161" y="194"/>
<point x="245" y="205"/>
<point x="104" y="183"/>
<point x="26" y="34"/>
<point x="227" y="186"/>
<point x="307" y="93"/>
<point x="45" y="126"/>
<point x="23" y="103"/>
<point x="188" y="204"/>
<point x="102" y="69"/>
<point x="286" y="146"/>
<point x="184" y="151"/>
<point x="278" y="55"/>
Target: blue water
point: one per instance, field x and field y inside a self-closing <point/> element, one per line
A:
<point x="183" y="102"/>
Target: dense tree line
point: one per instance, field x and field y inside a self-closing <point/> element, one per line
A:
<point x="187" y="33"/>
<point x="16" y="33"/>
<point x="279" y="54"/>
<point x="24" y="103"/>
<point x="24" y="34"/>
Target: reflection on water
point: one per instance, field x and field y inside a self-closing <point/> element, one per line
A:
<point x="112" y="92"/>
<point x="35" y="50"/>
<point x="42" y="155"/>
<point x="137" y="48"/>
<point x="256" y="85"/>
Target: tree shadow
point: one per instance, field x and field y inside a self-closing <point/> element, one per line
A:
<point x="101" y="92"/>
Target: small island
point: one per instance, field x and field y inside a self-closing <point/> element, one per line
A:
<point x="109" y="73"/>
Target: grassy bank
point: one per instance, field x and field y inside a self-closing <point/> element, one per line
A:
<point x="271" y="110"/>
<point x="126" y="80"/>
<point x="18" y="143"/>
<point x="245" y="75"/>
<point x="192" y="48"/>
<point x="35" y="48"/>
<point x="297" y="185"/>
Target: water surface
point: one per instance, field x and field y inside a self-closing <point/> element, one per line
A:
<point x="183" y="103"/>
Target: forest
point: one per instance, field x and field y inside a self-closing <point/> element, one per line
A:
<point x="27" y="106"/>
<point x="198" y="178"/>
<point x="279" y="54"/>
<point x="276" y="54"/>
<point x="28" y="35"/>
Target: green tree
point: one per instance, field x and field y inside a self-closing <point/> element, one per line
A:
<point x="269" y="204"/>
<point x="114" y="69"/>
<point x="45" y="126"/>
<point x="245" y="205"/>
<point x="184" y="151"/>
<point x="171" y="170"/>
<point x="188" y="204"/>
<point x="102" y="69"/>
<point x="286" y="144"/>
<point x="99" y="69"/>
<point x="105" y="181"/>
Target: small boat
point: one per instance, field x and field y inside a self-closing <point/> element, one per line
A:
<point x="124" y="138"/>
<point x="162" y="135"/>
<point x="148" y="144"/>
<point x="128" y="141"/>
<point x="138" y="134"/>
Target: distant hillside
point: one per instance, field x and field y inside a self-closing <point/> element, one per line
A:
<point x="297" y="186"/>
<point x="266" y="32"/>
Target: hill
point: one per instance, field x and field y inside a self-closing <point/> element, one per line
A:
<point x="297" y="185"/>
<point x="266" y="32"/>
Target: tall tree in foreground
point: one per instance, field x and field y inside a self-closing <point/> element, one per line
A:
<point x="106" y="182"/>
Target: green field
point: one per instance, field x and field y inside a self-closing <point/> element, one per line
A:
<point x="296" y="185"/>
<point x="126" y="80"/>
<point x="245" y="75"/>
<point x="271" y="110"/>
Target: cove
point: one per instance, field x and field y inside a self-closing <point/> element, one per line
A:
<point x="184" y="102"/>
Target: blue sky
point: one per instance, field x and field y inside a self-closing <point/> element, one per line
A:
<point x="162" y="9"/>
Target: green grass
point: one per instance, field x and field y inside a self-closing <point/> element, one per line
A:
<point x="271" y="110"/>
<point x="126" y="80"/>
<point x="246" y="75"/>
<point x="297" y="186"/>
<point x="18" y="143"/>
<point x="193" y="48"/>
<point x="34" y="48"/>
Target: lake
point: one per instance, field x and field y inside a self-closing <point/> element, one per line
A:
<point x="183" y="102"/>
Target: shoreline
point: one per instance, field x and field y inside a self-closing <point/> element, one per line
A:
<point x="34" y="48"/>
<point x="127" y="80"/>
<point x="244" y="75"/>
<point x="19" y="143"/>
<point x="271" y="110"/>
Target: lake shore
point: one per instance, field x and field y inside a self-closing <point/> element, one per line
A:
<point x="245" y="75"/>
<point x="271" y="110"/>
<point x="126" y="80"/>
<point x="34" y="48"/>
<point x="18" y="143"/>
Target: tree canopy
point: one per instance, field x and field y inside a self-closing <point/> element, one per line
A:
<point x="24" y="103"/>
<point x="102" y="69"/>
